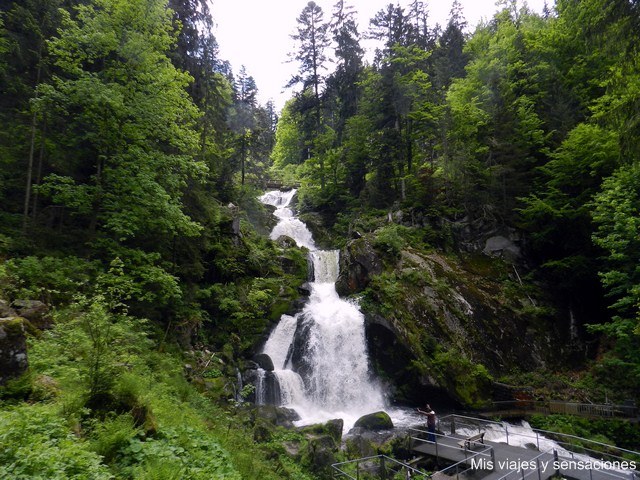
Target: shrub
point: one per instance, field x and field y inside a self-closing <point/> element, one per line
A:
<point x="53" y="280"/>
<point x="36" y="443"/>
<point x="391" y="239"/>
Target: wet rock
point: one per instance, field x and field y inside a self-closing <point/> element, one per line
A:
<point x="361" y="442"/>
<point x="300" y="355"/>
<point x="285" y="241"/>
<point x="305" y="289"/>
<point x="264" y="361"/>
<point x="13" y="348"/>
<point x="268" y="382"/>
<point x="289" y="265"/>
<point x="375" y="421"/>
<point x="333" y="428"/>
<point x="278" y="416"/>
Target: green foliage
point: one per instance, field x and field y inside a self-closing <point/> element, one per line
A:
<point x="36" y="442"/>
<point x="391" y="239"/>
<point x="177" y="453"/>
<point x="288" y="147"/>
<point x="612" y="432"/>
<point x="469" y="381"/>
<point x="49" y="279"/>
<point x="112" y="435"/>
<point x="617" y="215"/>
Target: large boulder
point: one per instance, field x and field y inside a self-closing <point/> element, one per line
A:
<point x="358" y="263"/>
<point x="277" y="416"/>
<point x="499" y="246"/>
<point x="375" y="421"/>
<point x="13" y="348"/>
<point x="301" y="348"/>
<point x="6" y="310"/>
<point x="264" y="361"/>
<point x="35" y="311"/>
<point x="321" y="453"/>
<point x="333" y="428"/>
<point x="323" y="442"/>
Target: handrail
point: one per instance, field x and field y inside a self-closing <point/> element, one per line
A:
<point x="555" y="434"/>
<point x="336" y="466"/>
<point x="604" y="410"/>
<point x="588" y="440"/>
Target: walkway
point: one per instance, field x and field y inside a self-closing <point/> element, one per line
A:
<point x="492" y="460"/>
<point x="518" y="408"/>
<point x="502" y="461"/>
<point x="497" y="461"/>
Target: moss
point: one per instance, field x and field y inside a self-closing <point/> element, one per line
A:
<point x="469" y="382"/>
<point x="13" y="327"/>
<point x="375" y="421"/>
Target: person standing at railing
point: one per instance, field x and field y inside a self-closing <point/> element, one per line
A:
<point x="431" y="422"/>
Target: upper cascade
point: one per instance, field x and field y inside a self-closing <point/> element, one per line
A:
<point x="320" y="354"/>
<point x="288" y="224"/>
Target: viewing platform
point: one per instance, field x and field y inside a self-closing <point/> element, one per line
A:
<point x="464" y="453"/>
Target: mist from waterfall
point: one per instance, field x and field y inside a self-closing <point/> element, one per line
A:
<point x="320" y="354"/>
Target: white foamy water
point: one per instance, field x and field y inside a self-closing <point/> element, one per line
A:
<point x="287" y="225"/>
<point x="522" y="435"/>
<point x="329" y="333"/>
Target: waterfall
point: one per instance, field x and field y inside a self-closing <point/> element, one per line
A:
<point x="260" y="387"/>
<point x="320" y="355"/>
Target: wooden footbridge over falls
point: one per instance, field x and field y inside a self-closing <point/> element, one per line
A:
<point x="477" y="449"/>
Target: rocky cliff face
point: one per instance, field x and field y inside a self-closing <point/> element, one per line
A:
<point x="444" y="324"/>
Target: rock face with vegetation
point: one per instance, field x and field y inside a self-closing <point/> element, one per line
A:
<point x="444" y="323"/>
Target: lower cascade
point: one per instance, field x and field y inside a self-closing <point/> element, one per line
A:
<point x="319" y="355"/>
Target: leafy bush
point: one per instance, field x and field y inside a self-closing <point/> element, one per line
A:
<point x="113" y="434"/>
<point x="177" y="453"/>
<point x="53" y="280"/>
<point x="470" y="381"/>
<point x="35" y="443"/>
<point x="391" y="239"/>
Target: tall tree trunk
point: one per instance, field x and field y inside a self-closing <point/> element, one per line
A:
<point x="32" y="145"/>
<point x="34" y="209"/>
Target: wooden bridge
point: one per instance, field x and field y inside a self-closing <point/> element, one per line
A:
<point x="277" y="185"/>
<point x="496" y="460"/>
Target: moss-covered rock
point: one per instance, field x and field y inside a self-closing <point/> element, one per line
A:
<point x="359" y="261"/>
<point x="333" y="428"/>
<point x="13" y="348"/>
<point x="375" y="421"/>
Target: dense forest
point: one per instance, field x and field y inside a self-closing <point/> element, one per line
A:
<point x="132" y="157"/>
<point x="529" y="125"/>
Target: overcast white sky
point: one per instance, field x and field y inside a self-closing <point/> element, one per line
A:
<point x="256" y="33"/>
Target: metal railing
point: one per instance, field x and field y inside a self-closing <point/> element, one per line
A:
<point x="382" y="466"/>
<point x="441" y="445"/>
<point x="568" y="408"/>
<point x="572" y="443"/>
<point x="567" y="465"/>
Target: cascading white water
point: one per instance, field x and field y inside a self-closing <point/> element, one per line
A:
<point x="320" y="355"/>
